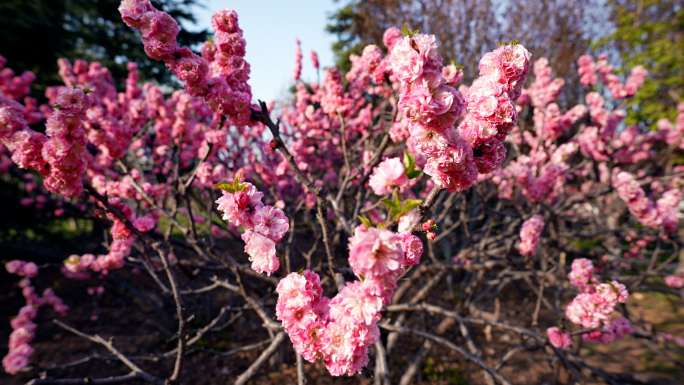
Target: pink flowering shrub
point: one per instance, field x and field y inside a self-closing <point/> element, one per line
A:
<point x="207" y="188"/>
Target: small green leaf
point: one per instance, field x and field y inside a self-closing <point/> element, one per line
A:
<point x="397" y="201"/>
<point x="389" y="204"/>
<point x="225" y="186"/>
<point x="57" y="106"/>
<point x="409" y="162"/>
<point x="366" y="222"/>
<point x="382" y="225"/>
<point x="410" y="204"/>
<point x="405" y="30"/>
<point x="514" y="42"/>
<point x="414" y="174"/>
<point x="301" y="271"/>
<point x="363" y="277"/>
<point x="617" y="292"/>
<point x="500" y="43"/>
<point x="87" y="90"/>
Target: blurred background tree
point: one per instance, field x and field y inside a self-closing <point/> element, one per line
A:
<point x="651" y="33"/>
<point x="466" y="29"/>
<point x="35" y="33"/>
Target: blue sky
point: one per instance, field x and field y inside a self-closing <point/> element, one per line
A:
<point x="270" y="28"/>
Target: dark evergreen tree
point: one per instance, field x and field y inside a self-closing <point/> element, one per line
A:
<point x="35" y="33"/>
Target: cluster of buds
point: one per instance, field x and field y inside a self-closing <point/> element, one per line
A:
<point x="428" y="226"/>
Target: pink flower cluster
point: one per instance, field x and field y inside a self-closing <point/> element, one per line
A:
<point x="119" y="248"/>
<point x="23" y="327"/>
<point x="413" y="248"/>
<point x="452" y="74"/>
<point x="23" y="333"/>
<point x="64" y="151"/>
<point x="314" y="60"/>
<point x="544" y="90"/>
<point x="226" y="91"/>
<point x="592" y="308"/>
<point x="612" y="81"/>
<point x="264" y="225"/>
<point x="529" y="235"/>
<point x="558" y="339"/>
<point x="618" y="328"/>
<point x="587" y="69"/>
<point x="298" y="60"/>
<point x="432" y="108"/>
<point x="492" y="114"/>
<point x="582" y="275"/>
<point x="373" y="63"/>
<point x="391" y="36"/>
<point x="25" y="144"/>
<point x="674" y="281"/>
<point x="663" y="213"/>
<point x="14" y="87"/>
<point x="61" y="157"/>
<point x="387" y="176"/>
<point x="674" y="133"/>
<point x="22" y="268"/>
<point x="596" y="303"/>
<point x="340" y="331"/>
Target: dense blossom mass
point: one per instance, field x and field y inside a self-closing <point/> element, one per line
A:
<point x="175" y="180"/>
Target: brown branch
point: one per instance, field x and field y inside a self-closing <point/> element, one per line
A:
<point x="99" y="340"/>
<point x="321" y="208"/>
<point x="251" y="371"/>
<point x="450" y="345"/>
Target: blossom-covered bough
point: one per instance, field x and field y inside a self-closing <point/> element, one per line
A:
<point x="390" y="206"/>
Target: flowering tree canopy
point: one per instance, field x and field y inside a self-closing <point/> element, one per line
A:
<point x="372" y="198"/>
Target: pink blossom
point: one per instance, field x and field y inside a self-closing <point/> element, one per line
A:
<point x="581" y="275"/>
<point x="261" y="251"/>
<point x="413" y="249"/>
<point x="144" y="224"/>
<point x="387" y="176"/>
<point x="390" y="37"/>
<point x="375" y="252"/>
<point x="558" y="339"/>
<point x="271" y="222"/>
<point x="406" y="62"/>
<point x="14" y="362"/>
<point x="529" y="235"/>
<point x="619" y="328"/>
<point x="238" y="207"/>
<point x="356" y="301"/>
<point x="675" y="281"/>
